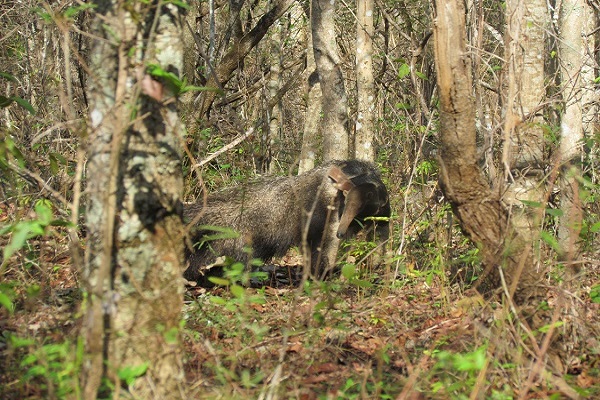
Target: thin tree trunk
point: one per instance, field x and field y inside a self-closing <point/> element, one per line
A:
<point x="134" y="253"/>
<point x="230" y="61"/>
<point x="308" y="153"/>
<point x="523" y="154"/>
<point x="274" y="85"/>
<point x="479" y="211"/>
<point x="577" y="75"/>
<point x="334" y="124"/>
<point x="365" y="118"/>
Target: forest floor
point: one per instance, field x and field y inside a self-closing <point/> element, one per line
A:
<point x="418" y="337"/>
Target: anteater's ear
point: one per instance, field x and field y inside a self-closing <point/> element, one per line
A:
<point x="341" y="181"/>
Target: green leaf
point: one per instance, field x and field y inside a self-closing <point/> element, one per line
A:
<point x="221" y="233"/>
<point x="130" y="374"/>
<point x="238" y="291"/>
<point x="17" y="342"/>
<point x="179" y="3"/>
<point x="219" y="281"/>
<point x="168" y="77"/>
<point x="218" y="300"/>
<point x="28" y="360"/>
<point x="44" y="213"/>
<point x="5" y="101"/>
<point x="586" y="182"/>
<point x="555" y="212"/>
<point x="8" y="76"/>
<point x="595" y="294"/>
<point x="403" y="106"/>
<point x="24" y="103"/>
<point x="403" y="71"/>
<point x="14" y="150"/>
<point x="172" y="336"/>
<point x="362" y="283"/>
<point x="6" y="302"/>
<point x="421" y="75"/>
<point x="595" y="227"/>
<point x="546" y="328"/>
<point x="349" y="271"/>
<point x="36" y="370"/>
<point x="53" y="164"/>
<point x="20" y="234"/>
<point x="551" y="241"/>
<point x="192" y="88"/>
<point x="71" y="12"/>
<point x="59" y="157"/>
<point x="60" y="222"/>
<point x="529" y="203"/>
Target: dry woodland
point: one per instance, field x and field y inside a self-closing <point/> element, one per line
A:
<point x="481" y="116"/>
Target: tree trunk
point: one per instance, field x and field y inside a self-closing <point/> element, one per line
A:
<point x="134" y="253"/>
<point x="577" y="75"/>
<point x="523" y="154"/>
<point x="479" y="211"/>
<point x="334" y="124"/>
<point x="232" y="59"/>
<point x="274" y="113"/>
<point x="308" y="153"/>
<point x="365" y="116"/>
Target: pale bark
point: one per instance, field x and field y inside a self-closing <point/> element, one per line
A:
<point x="523" y="154"/>
<point x="577" y="75"/>
<point x="479" y="210"/>
<point x="365" y="117"/>
<point x="134" y="257"/>
<point x="308" y="153"/>
<point x="334" y="124"/>
<point x="274" y="85"/>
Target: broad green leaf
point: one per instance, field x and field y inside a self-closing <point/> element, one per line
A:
<point x="172" y="336"/>
<point x="130" y="374"/>
<point x="362" y="283"/>
<point x="218" y="300"/>
<point x="237" y="290"/>
<point x="6" y="302"/>
<point x="28" y="360"/>
<point x="555" y="212"/>
<point x="179" y="3"/>
<point x="349" y="271"/>
<point x="44" y="213"/>
<point x="403" y="71"/>
<point x="17" y="241"/>
<point x="551" y="241"/>
<point x="17" y="342"/>
<point x="595" y="294"/>
<point x="219" y="281"/>
<point x="14" y="150"/>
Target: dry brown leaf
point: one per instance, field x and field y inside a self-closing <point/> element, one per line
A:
<point x="326" y="368"/>
<point x="294" y="347"/>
